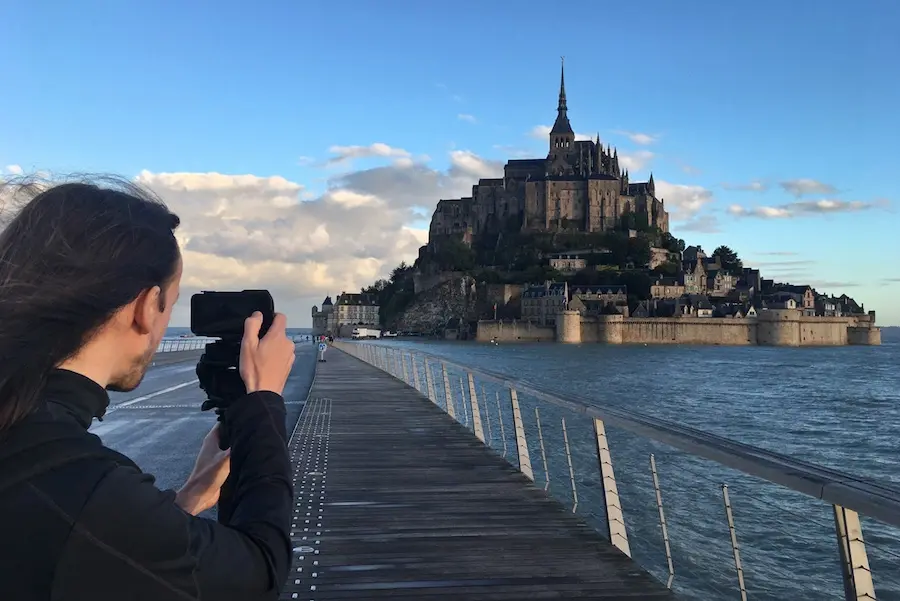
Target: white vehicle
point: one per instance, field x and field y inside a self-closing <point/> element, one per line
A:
<point x="360" y="333"/>
<point x="390" y="334"/>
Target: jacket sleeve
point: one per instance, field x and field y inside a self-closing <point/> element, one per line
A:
<point x="131" y="541"/>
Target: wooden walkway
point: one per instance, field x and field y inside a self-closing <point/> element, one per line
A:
<point x="395" y="499"/>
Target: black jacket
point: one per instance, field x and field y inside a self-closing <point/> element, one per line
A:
<point x="80" y="521"/>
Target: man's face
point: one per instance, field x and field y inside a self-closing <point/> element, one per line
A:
<point x="136" y="363"/>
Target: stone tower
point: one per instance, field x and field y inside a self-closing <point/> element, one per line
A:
<point x="562" y="136"/>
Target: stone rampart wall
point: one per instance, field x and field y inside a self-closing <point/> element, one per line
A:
<point x="513" y="331"/>
<point x="782" y="327"/>
<point x="689" y="330"/>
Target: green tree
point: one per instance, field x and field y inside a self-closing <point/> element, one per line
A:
<point x="671" y="243"/>
<point x="455" y="255"/>
<point x="638" y="250"/>
<point x="617" y="242"/>
<point x="638" y="284"/>
<point x="729" y="260"/>
<point x="667" y="269"/>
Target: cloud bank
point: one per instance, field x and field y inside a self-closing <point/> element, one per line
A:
<point x="804" y="208"/>
<point x="246" y="231"/>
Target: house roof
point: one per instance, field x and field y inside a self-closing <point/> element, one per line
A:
<point x="357" y="299"/>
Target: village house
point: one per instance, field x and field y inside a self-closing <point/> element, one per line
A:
<point x="693" y="254"/>
<point x="694" y="277"/>
<point x="827" y="307"/>
<point x="719" y="282"/>
<point x="541" y="303"/>
<point x="337" y="319"/>
<point x="667" y="288"/>
<point x="567" y="263"/>
<point x="696" y="305"/>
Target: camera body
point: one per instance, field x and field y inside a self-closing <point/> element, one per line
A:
<point x="221" y="315"/>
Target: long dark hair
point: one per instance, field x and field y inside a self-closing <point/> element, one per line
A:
<point x="71" y="254"/>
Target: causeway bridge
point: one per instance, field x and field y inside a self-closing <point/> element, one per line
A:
<point x="421" y="478"/>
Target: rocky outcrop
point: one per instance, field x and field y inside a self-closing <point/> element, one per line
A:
<point x="449" y="305"/>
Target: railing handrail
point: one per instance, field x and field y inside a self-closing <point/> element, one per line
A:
<point x="837" y="488"/>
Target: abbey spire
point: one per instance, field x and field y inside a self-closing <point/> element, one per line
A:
<point x="562" y="136"/>
<point x="562" y="125"/>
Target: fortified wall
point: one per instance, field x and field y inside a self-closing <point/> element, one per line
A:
<point x="776" y="327"/>
<point x="514" y="331"/>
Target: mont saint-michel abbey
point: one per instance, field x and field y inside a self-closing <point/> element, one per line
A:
<point x="579" y="186"/>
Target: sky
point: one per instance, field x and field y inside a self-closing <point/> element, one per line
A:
<point x="306" y="144"/>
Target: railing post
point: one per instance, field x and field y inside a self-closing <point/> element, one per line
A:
<point x="500" y="415"/>
<point x="739" y="568"/>
<point x="537" y="417"/>
<point x="521" y="442"/>
<point x="415" y="368"/>
<point x="487" y="417"/>
<point x="405" y="371"/>
<point x="855" y="569"/>
<point x="476" y="413"/>
<point x="462" y="398"/>
<point x="662" y="521"/>
<point x="429" y="382"/>
<point x="571" y="470"/>
<point x="451" y="410"/>
<point x="615" y="519"/>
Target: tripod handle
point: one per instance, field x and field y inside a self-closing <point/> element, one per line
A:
<point x="224" y="430"/>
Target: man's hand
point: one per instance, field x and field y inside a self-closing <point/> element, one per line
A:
<point x="266" y="362"/>
<point x="201" y="491"/>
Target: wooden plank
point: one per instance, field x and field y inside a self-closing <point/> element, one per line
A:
<point x="393" y="498"/>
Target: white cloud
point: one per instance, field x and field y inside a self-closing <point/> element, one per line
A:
<point x="804" y="208"/>
<point x="803" y="187"/>
<point x="247" y="231"/>
<point x="345" y="154"/>
<point x="639" y="138"/>
<point x="706" y="224"/>
<point x="14" y="170"/>
<point x="635" y="161"/>
<point x="754" y="186"/>
<point x="682" y="201"/>
<point x="466" y="117"/>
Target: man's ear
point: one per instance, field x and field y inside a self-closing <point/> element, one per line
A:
<point x="148" y="306"/>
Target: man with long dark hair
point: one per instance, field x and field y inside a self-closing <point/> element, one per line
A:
<point x="88" y="278"/>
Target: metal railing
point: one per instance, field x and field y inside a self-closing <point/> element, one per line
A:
<point x="193" y="343"/>
<point x="739" y="549"/>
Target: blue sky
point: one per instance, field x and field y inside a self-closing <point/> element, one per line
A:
<point x="795" y="100"/>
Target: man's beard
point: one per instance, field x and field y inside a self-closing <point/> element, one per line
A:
<point x="132" y="378"/>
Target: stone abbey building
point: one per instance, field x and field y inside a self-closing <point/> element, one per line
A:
<point x="579" y="186"/>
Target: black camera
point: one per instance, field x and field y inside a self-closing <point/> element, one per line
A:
<point x="221" y="315"/>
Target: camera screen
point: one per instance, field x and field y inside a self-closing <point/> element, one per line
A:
<point x="222" y="314"/>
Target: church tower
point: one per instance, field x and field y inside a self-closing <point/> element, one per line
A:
<point x="562" y="136"/>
